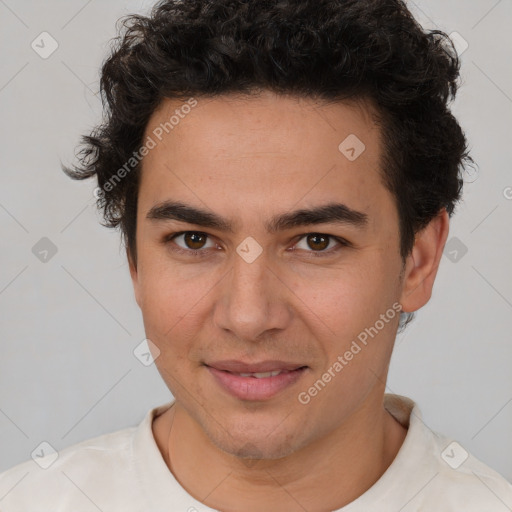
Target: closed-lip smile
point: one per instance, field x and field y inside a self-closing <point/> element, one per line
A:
<point x="257" y="380"/>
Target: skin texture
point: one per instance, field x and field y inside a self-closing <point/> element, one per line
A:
<point x="247" y="160"/>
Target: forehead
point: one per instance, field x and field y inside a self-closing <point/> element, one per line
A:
<point x="264" y="150"/>
<point x="266" y="121"/>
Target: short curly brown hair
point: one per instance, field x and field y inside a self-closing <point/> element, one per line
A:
<point x="323" y="49"/>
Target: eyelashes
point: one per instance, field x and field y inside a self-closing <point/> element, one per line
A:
<point x="199" y="237"/>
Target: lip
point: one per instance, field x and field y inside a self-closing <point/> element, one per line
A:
<point x="225" y="374"/>
<point x="232" y="365"/>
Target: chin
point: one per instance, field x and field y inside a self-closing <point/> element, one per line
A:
<point x="256" y="446"/>
<point x="258" y="450"/>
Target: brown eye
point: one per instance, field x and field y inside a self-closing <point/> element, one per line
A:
<point x="317" y="241"/>
<point x="191" y="242"/>
<point x="194" y="240"/>
<point x="320" y="244"/>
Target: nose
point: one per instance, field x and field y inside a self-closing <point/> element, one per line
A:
<point x="254" y="300"/>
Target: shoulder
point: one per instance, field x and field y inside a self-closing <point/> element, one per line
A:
<point x="454" y="479"/>
<point x="434" y="472"/>
<point x="77" y="475"/>
<point x="462" y="480"/>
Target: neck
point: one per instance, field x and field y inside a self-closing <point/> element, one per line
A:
<point x="325" y="475"/>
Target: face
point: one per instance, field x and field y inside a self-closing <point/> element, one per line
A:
<point x="264" y="253"/>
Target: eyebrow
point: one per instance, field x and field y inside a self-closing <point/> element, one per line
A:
<point x="332" y="213"/>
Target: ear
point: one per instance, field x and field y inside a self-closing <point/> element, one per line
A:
<point x="134" y="275"/>
<point x="423" y="261"/>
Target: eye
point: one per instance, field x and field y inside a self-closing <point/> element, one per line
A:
<point x="195" y="243"/>
<point x="319" y="242"/>
<point x="192" y="242"/>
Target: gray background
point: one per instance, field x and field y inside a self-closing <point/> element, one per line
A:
<point x="69" y="325"/>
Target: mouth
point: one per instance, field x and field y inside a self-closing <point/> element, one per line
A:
<point x="255" y="381"/>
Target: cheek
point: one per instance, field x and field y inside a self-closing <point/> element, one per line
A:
<point x="343" y="301"/>
<point x="172" y="302"/>
<point x="357" y="343"/>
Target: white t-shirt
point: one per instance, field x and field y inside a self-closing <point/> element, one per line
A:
<point x="124" y="472"/>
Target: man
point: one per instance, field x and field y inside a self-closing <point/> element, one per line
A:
<point x="283" y="173"/>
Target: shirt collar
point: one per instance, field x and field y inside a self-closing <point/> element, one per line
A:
<point x="409" y="470"/>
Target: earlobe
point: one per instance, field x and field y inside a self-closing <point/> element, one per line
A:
<point x="423" y="262"/>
